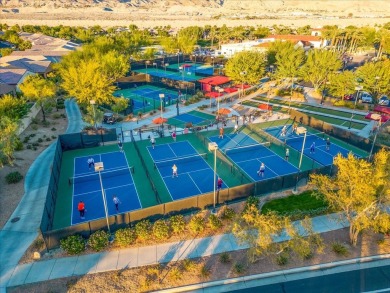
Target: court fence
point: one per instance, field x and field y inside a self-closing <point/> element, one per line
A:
<point x="87" y="139"/>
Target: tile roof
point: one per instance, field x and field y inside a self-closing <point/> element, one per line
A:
<point x="11" y="76"/>
<point x="295" y="38"/>
<point x="6" y="88"/>
<point x="25" y="63"/>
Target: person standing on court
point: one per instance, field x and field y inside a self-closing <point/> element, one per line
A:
<point x="91" y="163"/>
<point x="152" y="141"/>
<point x="221" y="131"/>
<point x="219" y="183"/>
<point x="120" y="145"/>
<point x="313" y="148"/>
<point x="261" y="170"/>
<point x="81" y="209"/>
<point x="174" y="136"/>
<point x="328" y="144"/>
<point x="284" y="130"/>
<point x="116" y="202"/>
<point x="287" y="154"/>
<point x="174" y="170"/>
<point x="235" y="128"/>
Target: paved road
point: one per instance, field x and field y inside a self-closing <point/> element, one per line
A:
<point x="363" y="280"/>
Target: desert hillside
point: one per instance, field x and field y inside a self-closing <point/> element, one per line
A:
<point x="178" y="13"/>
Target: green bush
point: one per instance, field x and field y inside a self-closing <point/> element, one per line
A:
<point x="56" y="116"/>
<point x="178" y="224"/>
<point x="13" y="177"/>
<point x="29" y="147"/>
<point x="143" y="230"/>
<point x="238" y="268"/>
<point x="196" y="224"/>
<point x="227" y="213"/>
<point x="215" y="223"/>
<point x="26" y="139"/>
<point x="340" y="249"/>
<point x="125" y="237"/>
<point x="205" y="271"/>
<point x="282" y="260"/>
<point x="74" y="244"/>
<point x="32" y="134"/>
<point x="48" y="139"/>
<point x="53" y="129"/>
<point x="161" y="229"/>
<point x="53" y="137"/>
<point x="99" y="240"/>
<point x="224" y="258"/>
<point x="188" y="265"/>
<point x="34" y="126"/>
<point x="40" y="140"/>
<point x="18" y="144"/>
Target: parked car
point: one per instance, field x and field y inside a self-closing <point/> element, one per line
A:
<point x="109" y="118"/>
<point x="365" y="97"/>
<point x="384" y="101"/>
<point x="350" y="97"/>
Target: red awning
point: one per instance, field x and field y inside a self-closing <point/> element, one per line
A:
<point x="375" y="116"/>
<point x="382" y="109"/>
<point x="213" y="94"/>
<point x="265" y="107"/>
<point x="215" y="80"/>
<point x="242" y="86"/>
<point x="230" y="90"/>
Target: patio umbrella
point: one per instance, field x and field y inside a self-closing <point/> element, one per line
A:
<point x="160" y="120"/>
<point x="224" y="111"/>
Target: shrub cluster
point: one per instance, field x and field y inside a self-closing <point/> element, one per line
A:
<point x="13" y="177"/>
<point x="74" y="244"/>
<point x="99" y="240"/>
<point x="125" y="237"/>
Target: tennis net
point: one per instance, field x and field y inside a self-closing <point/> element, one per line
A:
<point x="246" y="148"/>
<point x="104" y="174"/>
<point x="180" y="160"/>
<point x="309" y="138"/>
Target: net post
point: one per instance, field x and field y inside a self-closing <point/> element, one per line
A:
<point x="70" y="181"/>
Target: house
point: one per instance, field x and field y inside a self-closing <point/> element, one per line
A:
<point x="228" y="50"/>
<point x="303" y="41"/>
<point x="13" y="77"/>
<point x="6" y="89"/>
<point x="42" y="67"/>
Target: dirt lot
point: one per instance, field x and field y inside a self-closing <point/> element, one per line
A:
<point x="39" y="135"/>
<point x="205" y="269"/>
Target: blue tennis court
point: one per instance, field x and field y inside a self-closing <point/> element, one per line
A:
<point x="321" y="154"/>
<point x="189" y="118"/>
<point x="194" y="174"/>
<point x="193" y="68"/>
<point x="248" y="154"/>
<point x="189" y="76"/>
<point x="116" y="180"/>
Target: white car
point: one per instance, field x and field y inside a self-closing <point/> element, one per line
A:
<point x="384" y="101"/>
<point x="365" y="97"/>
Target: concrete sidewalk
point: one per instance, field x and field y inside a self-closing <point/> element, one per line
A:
<point x="134" y="257"/>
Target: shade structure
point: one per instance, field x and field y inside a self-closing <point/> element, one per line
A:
<point x="224" y="111"/>
<point x="160" y="120"/>
<point x="213" y="94"/>
<point x="265" y="107"/>
<point x="230" y="89"/>
<point x="242" y="86"/>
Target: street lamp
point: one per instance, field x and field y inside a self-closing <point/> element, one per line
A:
<point x="146" y="65"/>
<point x="379" y="121"/>
<point x="271" y="86"/>
<point x="99" y="167"/>
<point x="303" y="148"/>
<point x="161" y="96"/>
<point x="214" y="147"/>
<point x="195" y="55"/>
<point x="178" y="57"/>
<point x="166" y="65"/>
<point x="155" y="64"/>
<point x="358" y="89"/>
<point x="93" y="102"/>
<point x="243" y="74"/>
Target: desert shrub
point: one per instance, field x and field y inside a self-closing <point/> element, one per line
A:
<point x="53" y="136"/>
<point x="26" y="139"/>
<point x="196" y="224"/>
<point x="13" y="177"/>
<point x="74" y="244"/>
<point x="38" y="243"/>
<point x="215" y="223"/>
<point x="32" y="134"/>
<point x="53" y="129"/>
<point x="40" y="140"/>
<point x="99" y="240"/>
<point x="48" y="139"/>
<point x="29" y="147"/>
<point x="238" y="268"/>
<point x="143" y="229"/>
<point x="188" y="265"/>
<point x="225" y="258"/>
<point x="125" y="237"/>
<point x="175" y="274"/>
<point x="18" y="144"/>
<point x="45" y="123"/>
<point x="227" y="213"/>
<point x="56" y="116"/>
<point x="34" y="126"/>
<point x="282" y="260"/>
<point x="205" y="271"/>
<point x="340" y="249"/>
<point x="35" y="144"/>
<point x="34" y="120"/>
<point x="178" y="224"/>
<point x="34" y="148"/>
<point x="161" y="229"/>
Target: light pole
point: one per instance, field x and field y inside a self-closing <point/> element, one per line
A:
<point x="324" y="92"/>
<point x="146" y="65"/>
<point x="214" y="147"/>
<point x="195" y="55"/>
<point x="303" y="148"/>
<point x="376" y="132"/>
<point x="99" y="167"/>
<point x="376" y="87"/>
<point x="243" y="74"/>
<point x="93" y="102"/>
<point x="358" y="89"/>
<point x="178" y="57"/>
<point x="212" y="60"/>
<point x="161" y="96"/>
<point x="155" y="64"/>
<point x="166" y="65"/>
<point x="271" y="86"/>
<point x="291" y="92"/>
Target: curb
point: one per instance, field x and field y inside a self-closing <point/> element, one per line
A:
<point x="281" y="273"/>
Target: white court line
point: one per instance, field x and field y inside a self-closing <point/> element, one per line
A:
<point x="93" y="191"/>
<point x="255" y="159"/>
<point x="169" y="145"/>
<point x="132" y="179"/>
<point x="200" y="191"/>
<point x="160" y="174"/>
<point x="119" y="186"/>
<point x="277" y="174"/>
<point x="189" y="172"/>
